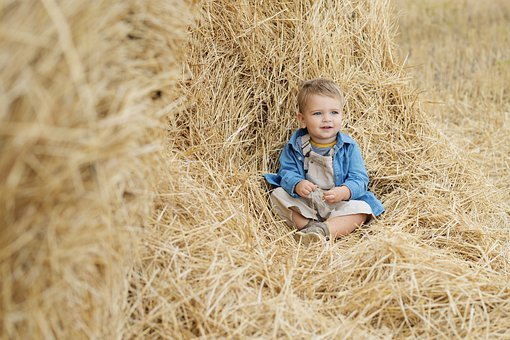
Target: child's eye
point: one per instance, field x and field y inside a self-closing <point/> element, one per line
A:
<point x="317" y="113"/>
<point x="334" y="112"/>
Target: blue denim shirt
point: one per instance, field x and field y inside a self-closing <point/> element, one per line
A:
<point x="348" y="167"/>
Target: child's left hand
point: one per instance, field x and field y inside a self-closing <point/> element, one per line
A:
<point x="337" y="194"/>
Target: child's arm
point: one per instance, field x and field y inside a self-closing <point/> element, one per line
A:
<point x="357" y="178"/>
<point x="291" y="171"/>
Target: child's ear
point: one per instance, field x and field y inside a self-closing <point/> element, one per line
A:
<point x="301" y="119"/>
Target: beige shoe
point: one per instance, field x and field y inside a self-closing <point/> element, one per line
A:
<point x="313" y="232"/>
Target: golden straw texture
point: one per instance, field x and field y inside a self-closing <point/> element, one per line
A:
<point x="217" y="263"/>
<point x="81" y="117"/>
<point x="465" y="74"/>
<point x="107" y="235"/>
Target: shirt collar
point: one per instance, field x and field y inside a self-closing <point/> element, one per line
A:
<point x="295" y="139"/>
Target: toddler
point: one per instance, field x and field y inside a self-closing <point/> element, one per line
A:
<point x="321" y="184"/>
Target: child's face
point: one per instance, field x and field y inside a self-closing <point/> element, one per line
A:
<point x="322" y="118"/>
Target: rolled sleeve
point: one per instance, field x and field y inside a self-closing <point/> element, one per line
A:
<point x="289" y="184"/>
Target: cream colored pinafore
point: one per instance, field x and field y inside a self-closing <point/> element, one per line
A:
<point x="319" y="170"/>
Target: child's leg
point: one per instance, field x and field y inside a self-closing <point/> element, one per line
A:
<point x="299" y="220"/>
<point x="343" y="225"/>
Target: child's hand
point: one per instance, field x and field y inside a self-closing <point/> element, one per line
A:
<point x="304" y="188"/>
<point x="337" y="194"/>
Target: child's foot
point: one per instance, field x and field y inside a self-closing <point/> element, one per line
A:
<point x="313" y="232"/>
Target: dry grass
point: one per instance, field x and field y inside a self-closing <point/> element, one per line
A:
<point x="211" y="260"/>
<point x="78" y="131"/>
<point x="460" y="55"/>
<point x="217" y="264"/>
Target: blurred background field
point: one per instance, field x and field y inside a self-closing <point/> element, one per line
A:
<point x="133" y="137"/>
<point x="458" y="53"/>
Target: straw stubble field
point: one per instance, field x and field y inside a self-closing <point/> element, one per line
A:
<point x="133" y="241"/>
<point x="459" y="55"/>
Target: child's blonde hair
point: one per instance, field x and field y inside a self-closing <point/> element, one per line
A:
<point x="322" y="86"/>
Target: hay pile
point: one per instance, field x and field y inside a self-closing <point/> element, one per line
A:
<point x="81" y="116"/>
<point x="212" y="259"/>
<point x="216" y="263"/>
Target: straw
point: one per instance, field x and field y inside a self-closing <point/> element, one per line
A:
<point x="133" y="143"/>
<point x="80" y="122"/>
<point x="218" y="262"/>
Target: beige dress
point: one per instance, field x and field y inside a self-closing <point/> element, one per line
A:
<point x="319" y="170"/>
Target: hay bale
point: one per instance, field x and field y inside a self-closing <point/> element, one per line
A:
<point x="80" y="121"/>
<point x="215" y="261"/>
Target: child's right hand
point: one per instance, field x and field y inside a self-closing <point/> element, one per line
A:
<point x="304" y="188"/>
